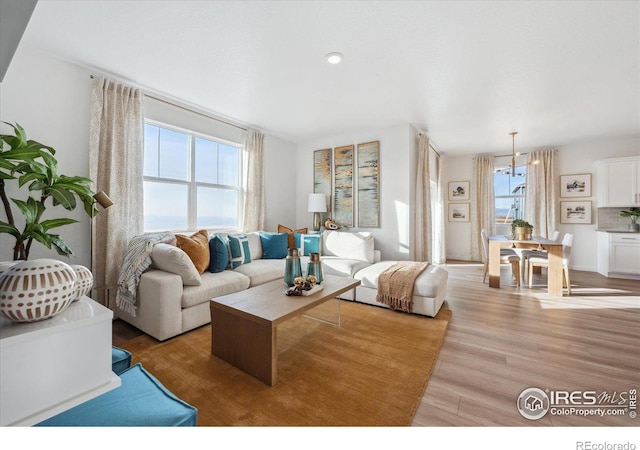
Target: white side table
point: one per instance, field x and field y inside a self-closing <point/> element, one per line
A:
<point x="50" y="366"/>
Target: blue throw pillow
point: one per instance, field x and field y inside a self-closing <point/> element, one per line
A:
<point x="239" y="253"/>
<point x="219" y="254"/>
<point x="274" y="245"/>
<point x="309" y="243"/>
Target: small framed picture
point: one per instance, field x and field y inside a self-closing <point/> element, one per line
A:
<point x="577" y="185"/>
<point x="458" y="212"/>
<point x="575" y="212"/>
<point x="459" y="191"/>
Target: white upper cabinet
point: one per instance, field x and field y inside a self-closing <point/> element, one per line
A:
<point x="618" y="181"/>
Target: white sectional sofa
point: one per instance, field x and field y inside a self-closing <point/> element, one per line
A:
<point x="167" y="307"/>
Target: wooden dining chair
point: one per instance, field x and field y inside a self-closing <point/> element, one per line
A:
<point x="543" y="261"/>
<point x="507" y="255"/>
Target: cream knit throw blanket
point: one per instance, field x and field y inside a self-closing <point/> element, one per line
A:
<point x="395" y="285"/>
<point x="136" y="261"/>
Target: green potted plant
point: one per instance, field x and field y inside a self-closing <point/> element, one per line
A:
<point x="33" y="166"/>
<point x="632" y="213"/>
<point x="521" y="230"/>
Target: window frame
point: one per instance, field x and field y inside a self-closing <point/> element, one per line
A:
<point x="193" y="185"/>
<point x="511" y="196"/>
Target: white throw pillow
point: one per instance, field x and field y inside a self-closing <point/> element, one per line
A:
<point x="255" y="245"/>
<point x="174" y="260"/>
<point x="348" y="245"/>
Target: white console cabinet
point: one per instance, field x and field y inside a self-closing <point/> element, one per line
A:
<point x="619" y="255"/>
<point x="53" y="365"/>
<point x="618" y="182"/>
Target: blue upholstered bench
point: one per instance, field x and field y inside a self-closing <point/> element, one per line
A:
<point x="140" y="401"/>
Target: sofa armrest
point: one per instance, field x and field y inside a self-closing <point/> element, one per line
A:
<point x="159" y="305"/>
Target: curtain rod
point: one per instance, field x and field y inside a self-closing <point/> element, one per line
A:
<point x="146" y="94"/>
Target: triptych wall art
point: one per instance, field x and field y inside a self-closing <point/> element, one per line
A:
<point x="343" y="185"/>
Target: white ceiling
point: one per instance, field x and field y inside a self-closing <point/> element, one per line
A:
<point x="466" y="72"/>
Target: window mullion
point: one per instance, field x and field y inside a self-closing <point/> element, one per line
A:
<point x="193" y="189"/>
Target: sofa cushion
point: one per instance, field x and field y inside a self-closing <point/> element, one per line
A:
<point x="349" y="245"/>
<point x="214" y="285"/>
<point x="274" y="245"/>
<point x="197" y="247"/>
<point x="255" y="244"/>
<point x="174" y="260"/>
<point x="343" y="267"/>
<point x="310" y="243"/>
<point x="262" y="271"/>
<point x="290" y="234"/>
<point x="239" y="252"/>
<point x="219" y="254"/>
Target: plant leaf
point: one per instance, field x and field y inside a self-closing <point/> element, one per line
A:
<point x="61" y="196"/>
<point x="6" y="228"/>
<point x="55" y="223"/>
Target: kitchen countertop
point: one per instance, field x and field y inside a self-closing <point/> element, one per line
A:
<point x="618" y="231"/>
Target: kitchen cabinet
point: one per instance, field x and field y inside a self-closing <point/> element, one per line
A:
<point x="618" y="182"/>
<point x="619" y="254"/>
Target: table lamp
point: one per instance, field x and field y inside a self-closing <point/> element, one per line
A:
<point x="317" y="204"/>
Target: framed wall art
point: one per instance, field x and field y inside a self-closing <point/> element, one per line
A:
<point x="322" y="177"/>
<point x="576" y="185"/>
<point x="458" y="212"/>
<point x="459" y="191"/>
<point x="343" y="185"/>
<point x="575" y="212"/>
<point x="368" y="185"/>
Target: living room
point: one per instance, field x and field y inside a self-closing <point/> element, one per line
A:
<point x="49" y="94"/>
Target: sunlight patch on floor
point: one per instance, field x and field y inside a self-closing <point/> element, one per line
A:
<point x="589" y="301"/>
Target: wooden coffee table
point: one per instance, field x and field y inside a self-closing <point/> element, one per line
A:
<point x="244" y="325"/>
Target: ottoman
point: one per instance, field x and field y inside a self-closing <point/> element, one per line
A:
<point x="141" y="401"/>
<point x="429" y="291"/>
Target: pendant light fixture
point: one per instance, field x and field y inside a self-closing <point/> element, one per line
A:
<point x="512" y="167"/>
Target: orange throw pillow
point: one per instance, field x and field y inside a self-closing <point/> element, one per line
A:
<point x="291" y="238"/>
<point x="197" y="247"/>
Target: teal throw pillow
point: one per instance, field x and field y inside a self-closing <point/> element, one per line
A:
<point x="309" y="243"/>
<point x="239" y="253"/>
<point x="274" y="245"/>
<point x="219" y="254"/>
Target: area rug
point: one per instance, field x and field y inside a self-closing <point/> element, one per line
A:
<point x="370" y="371"/>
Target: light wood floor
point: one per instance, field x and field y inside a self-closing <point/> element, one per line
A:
<point x="502" y="341"/>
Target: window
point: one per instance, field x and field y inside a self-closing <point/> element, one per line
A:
<point x="509" y="194"/>
<point x="191" y="181"/>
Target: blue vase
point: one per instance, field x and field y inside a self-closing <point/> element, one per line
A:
<point x="292" y="267"/>
<point x="315" y="267"/>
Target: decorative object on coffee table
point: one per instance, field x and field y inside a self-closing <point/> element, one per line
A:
<point x="292" y="267"/>
<point x="314" y="268"/>
<point x="36" y="290"/>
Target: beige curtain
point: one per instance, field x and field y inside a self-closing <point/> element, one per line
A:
<point x="541" y="194"/>
<point x="423" y="233"/>
<point x="254" y="200"/>
<point x="439" y="251"/>
<point x="115" y="166"/>
<point x="482" y="204"/>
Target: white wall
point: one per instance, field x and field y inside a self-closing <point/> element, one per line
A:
<point x="397" y="163"/>
<point x="50" y="99"/>
<point x="572" y="159"/>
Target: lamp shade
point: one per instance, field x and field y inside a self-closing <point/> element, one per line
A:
<point x="317" y="203"/>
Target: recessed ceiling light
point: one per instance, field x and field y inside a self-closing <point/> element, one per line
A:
<point x="333" y="57"/>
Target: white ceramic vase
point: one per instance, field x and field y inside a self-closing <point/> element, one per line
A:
<point x="84" y="283"/>
<point x="36" y="290"/>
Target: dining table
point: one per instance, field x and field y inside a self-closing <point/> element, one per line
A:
<point x="554" y="255"/>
